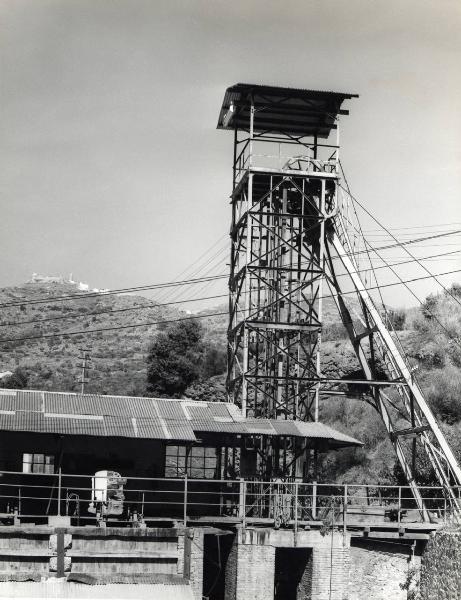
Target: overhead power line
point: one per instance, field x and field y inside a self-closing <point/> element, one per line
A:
<point x="401" y="244"/>
<point x="205" y="316"/>
<point x="109" y="311"/>
<point x="44" y="300"/>
<point x="192" y="270"/>
<point x="194" y="299"/>
<point x="154" y="286"/>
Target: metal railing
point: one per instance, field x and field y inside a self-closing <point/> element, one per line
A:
<point x="280" y="155"/>
<point x="33" y="497"/>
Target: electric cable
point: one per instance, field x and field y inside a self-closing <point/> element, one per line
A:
<point x="121" y="291"/>
<point x="389" y="321"/>
<point x="111" y="292"/>
<point x="90" y="331"/>
<point x="194" y="299"/>
<point x="354" y="199"/>
<point x="189" y="267"/>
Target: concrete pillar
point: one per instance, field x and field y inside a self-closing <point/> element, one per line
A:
<point x="250" y="571"/>
<point x="196" y="562"/>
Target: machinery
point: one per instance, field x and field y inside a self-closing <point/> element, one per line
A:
<point x="107" y="497"/>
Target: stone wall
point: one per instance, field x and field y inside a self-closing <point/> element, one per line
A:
<point x="378" y="569"/>
<point x="441" y="567"/>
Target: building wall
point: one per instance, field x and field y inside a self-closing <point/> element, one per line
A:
<point x="85" y="454"/>
<point x="441" y="567"/>
<point x="251" y="564"/>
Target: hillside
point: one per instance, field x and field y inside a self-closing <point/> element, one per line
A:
<point x="430" y="336"/>
<point x="117" y="356"/>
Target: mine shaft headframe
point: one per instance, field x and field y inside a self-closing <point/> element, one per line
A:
<point x="285" y="170"/>
<point x="287" y="222"/>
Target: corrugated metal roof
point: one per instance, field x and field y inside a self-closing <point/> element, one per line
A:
<point x="29" y="401"/>
<point x="119" y="426"/>
<point x="322" y="431"/>
<point x="181" y="430"/>
<point x="220" y="409"/>
<point x="170" y="409"/>
<point x="287" y="110"/>
<point x="7" y="401"/>
<point x="56" y="590"/>
<point x="259" y="426"/>
<point x="74" y="426"/>
<point x="211" y="426"/>
<point x="148" y="418"/>
<point x="200" y="413"/>
<point x="29" y="421"/>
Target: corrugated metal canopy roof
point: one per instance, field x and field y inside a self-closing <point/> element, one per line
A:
<point x="279" y="109"/>
<point x="60" y="590"/>
<point x="145" y="418"/>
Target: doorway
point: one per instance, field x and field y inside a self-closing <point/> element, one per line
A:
<point x="216" y="549"/>
<point x="293" y="573"/>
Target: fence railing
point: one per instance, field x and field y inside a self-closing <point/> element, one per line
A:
<point x="281" y="155"/>
<point x="86" y="499"/>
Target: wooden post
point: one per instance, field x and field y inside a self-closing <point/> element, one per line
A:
<point x="188" y="535"/>
<point x="59" y="553"/>
<point x="399" y="507"/>
<point x="345" y="511"/>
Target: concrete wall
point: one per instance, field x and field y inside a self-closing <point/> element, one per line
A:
<point x="24" y="554"/>
<point x="441" y="567"/>
<point x="99" y="553"/>
<point x="377" y="569"/>
<point x="108" y="551"/>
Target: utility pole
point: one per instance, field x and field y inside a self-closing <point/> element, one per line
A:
<point x="84" y="366"/>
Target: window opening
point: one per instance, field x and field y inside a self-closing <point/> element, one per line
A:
<point x="38" y="463"/>
<point x="201" y="463"/>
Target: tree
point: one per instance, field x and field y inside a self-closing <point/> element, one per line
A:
<point x="17" y="380"/>
<point x="175" y="359"/>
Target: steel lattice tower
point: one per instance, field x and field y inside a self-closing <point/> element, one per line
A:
<point x="284" y="189"/>
<point x="291" y="231"/>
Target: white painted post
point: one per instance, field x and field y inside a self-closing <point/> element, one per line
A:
<point x="59" y="491"/>
<point x="185" y="500"/>
<point x="314" y="500"/>
<point x="296" y="507"/>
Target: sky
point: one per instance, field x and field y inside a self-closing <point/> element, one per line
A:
<point x="111" y="165"/>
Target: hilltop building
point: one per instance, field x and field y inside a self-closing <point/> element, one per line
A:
<point x="83" y="287"/>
